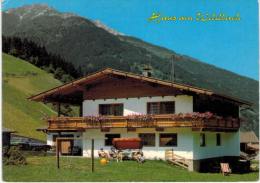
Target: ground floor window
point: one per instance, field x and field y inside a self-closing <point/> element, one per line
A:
<point x="202" y="139"/>
<point x="54" y="139"/>
<point x="168" y="139"/>
<point x="109" y="138"/>
<point x="148" y="139"/>
<point x="218" y="139"/>
<point x="55" y="136"/>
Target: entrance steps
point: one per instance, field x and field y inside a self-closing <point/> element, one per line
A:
<point x="176" y="159"/>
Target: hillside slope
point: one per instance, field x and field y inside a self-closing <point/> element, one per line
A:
<point x="21" y="80"/>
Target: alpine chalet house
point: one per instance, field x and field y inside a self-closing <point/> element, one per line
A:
<point x="194" y="123"/>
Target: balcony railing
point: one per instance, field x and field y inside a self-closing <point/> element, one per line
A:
<point x="144" y="121"/>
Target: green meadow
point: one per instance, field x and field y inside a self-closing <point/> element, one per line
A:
<point x="43" y="168"/>
<point x="21" y="80"/>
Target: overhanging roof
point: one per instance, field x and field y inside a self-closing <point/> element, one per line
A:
<point x="77" y="85"/>
<point x="7" y="130"/>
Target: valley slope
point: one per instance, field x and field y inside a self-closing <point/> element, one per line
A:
<point x="21" y="80"/>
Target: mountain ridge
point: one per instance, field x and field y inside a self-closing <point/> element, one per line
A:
<point x="187" y="56"/>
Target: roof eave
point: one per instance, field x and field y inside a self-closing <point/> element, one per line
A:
<point x="41" y="96"/>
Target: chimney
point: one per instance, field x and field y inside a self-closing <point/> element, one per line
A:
<point x="147" y="71"/>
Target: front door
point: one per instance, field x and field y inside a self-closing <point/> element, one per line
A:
<point x="66" y="146"/>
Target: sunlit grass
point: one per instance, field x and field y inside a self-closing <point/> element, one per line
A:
<point x="79" y="169"/>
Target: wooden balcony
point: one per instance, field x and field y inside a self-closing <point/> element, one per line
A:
<point x="155" y="121"/>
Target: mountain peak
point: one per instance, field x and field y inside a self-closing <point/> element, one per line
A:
<point x="31" y="11"/>
<point x="30" y="8"/>
<point x="35" y="10"/>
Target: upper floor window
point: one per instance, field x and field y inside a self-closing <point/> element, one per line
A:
<point x="111" y="109"/>
<point x="161" y="107"/>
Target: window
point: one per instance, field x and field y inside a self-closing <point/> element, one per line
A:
<point x="202" y="139"/>
<point x="111" y="109"/>
<point x="109" y="138"/>
<point x="54" y="138"/>
<point x="168" y="139"/>
<point x="218" y="139"/>
<point x="153" y="108"/>
<point x="148" y="139"/>
<point x="160" y="107"/>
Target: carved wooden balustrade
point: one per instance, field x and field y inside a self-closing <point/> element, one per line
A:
<point x="143" y="121"/>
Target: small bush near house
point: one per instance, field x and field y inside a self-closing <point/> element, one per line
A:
<point x="13" y="156"/>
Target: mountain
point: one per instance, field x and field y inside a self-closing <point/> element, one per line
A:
<point x="88" y="44"/>
<point x="21" y="80"/>
<point x="91" y="45"/>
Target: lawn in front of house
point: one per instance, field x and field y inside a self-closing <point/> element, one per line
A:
<point x="43" y="168"/>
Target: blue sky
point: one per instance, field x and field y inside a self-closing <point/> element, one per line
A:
<point x="229" y="45"/>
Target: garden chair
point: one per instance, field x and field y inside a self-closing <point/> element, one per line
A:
<point x="102" y="154"/>
<point x="116" y="154"/>
<point x="225" y="169"/>
<point x="138" y="156"/>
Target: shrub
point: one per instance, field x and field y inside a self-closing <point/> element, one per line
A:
<point x="13" y="156"/>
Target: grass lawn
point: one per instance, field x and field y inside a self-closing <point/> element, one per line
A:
<point x="79" y="169"/>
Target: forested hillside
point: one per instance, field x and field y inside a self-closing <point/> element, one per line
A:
<point x="38" y="56"/>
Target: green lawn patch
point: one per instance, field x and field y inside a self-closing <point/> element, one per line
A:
<point x="79" y="169"/>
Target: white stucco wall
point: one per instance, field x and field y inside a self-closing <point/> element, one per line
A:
<point x="230" y="145"/>
<point x="183" y="104"/>
<point x="49" y="139"/>
<point x="188" y="144"/>
<point x="184" y="145"/>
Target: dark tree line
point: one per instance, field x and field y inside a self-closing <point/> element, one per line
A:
<point x="38" y="56"/>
